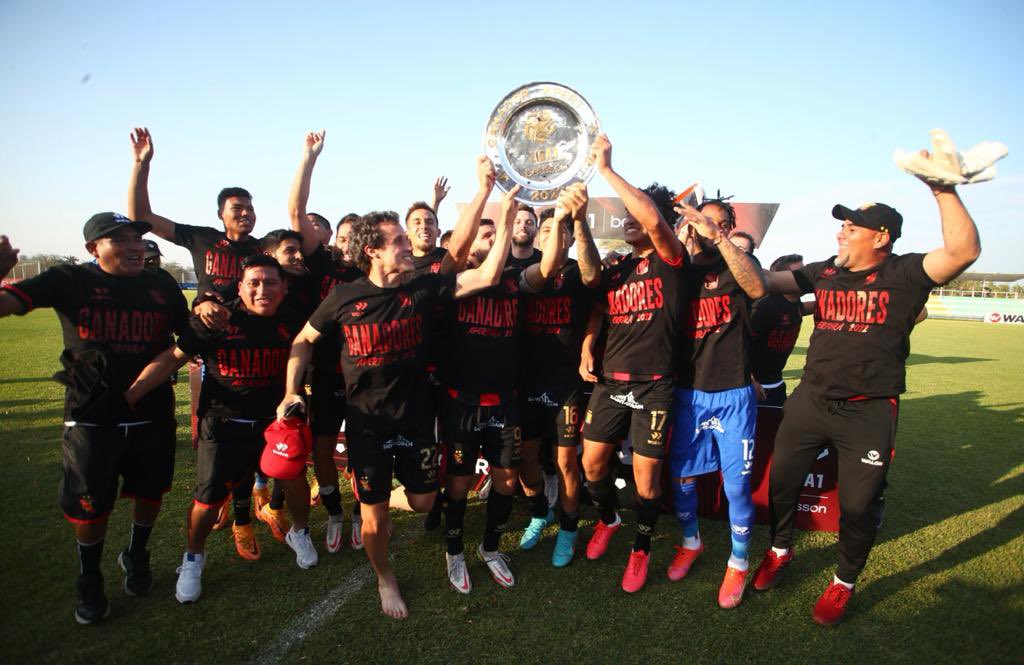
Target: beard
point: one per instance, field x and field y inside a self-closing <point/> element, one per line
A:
<point x="841" y="259"/>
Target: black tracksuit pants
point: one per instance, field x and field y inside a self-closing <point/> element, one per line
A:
<point x="863" y="432"/>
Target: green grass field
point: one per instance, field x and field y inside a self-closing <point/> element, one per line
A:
<point x="945" y="582"/>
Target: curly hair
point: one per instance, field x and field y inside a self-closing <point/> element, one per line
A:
<point x="366" y="234"/>
<point x="663" y="199"/>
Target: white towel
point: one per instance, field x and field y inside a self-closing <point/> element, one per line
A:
<point x="946" y="166"/>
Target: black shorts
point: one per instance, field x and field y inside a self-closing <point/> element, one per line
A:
<point x="374" y="455"/>
<point x="95" y="456"/>
<point x="640" y="409"/>
<point x="553" y="414"/>
<point x="229" y="453"/>
<point x="469" y="430"/>
<point x="326" y="403"/>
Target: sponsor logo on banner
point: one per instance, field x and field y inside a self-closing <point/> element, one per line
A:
<point x="997" y="317"/>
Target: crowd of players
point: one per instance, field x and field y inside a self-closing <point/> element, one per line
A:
<point x="495" y="345"/>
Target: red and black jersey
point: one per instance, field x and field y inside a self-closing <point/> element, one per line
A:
<point x="554" y="320"/>
<point x="381" y="335"/>
<point x="714" y="351"/>
<point x="429" y="262"/>
<point x="216" y="260"/>
<point x="113" y="327"/>
<point x="862" y="325"/>
<point x="481" y="354"/>
<point x="330" y="271"/>
<point x="244" y="366"/>
<point x="645" y="300"/>
<point x="774" y="326"/>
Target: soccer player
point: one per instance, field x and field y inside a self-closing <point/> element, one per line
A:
<point x="243" y="382"/>
<point x="552" y="398"/>
<point x="115" y="317"/>
<point x="216" y="255"/>
<point x="774" y="327"/>
<point x="743" y="240"/>
<point x="523" y="234"/>
<point x="480" y="413"/>
<point x="867" y="300"/>
<point x="379" y="321"/>
<point x="341" y="238"/>
<point x="640" y="301"/>
<point x="715" y="406"/>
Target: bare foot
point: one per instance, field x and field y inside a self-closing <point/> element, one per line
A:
<point x="391" y="602"/>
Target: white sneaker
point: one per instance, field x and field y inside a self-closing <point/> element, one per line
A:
<point x="190" y="578"/>
<point x="551" y="489"/>
<point x="356" y="539"/>
<point x="458" y="575"/>
<point x="334" y="535"/>
<point x="497" y="563"/>
<point x="305" y="553"/>
<point x="485" y="490"/>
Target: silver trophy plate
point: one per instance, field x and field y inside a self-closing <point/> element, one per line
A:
<point x="539" y="137"/>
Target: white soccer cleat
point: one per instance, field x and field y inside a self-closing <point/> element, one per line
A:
<point x="458" y="574"/>
<point x="334" y="538"/>
<point x="302" y="544"/>
<point x="497" y="563"/>
<point x="190" y="578"/>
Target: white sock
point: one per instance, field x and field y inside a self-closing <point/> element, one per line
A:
<point x="780" y="551"/>
<point x="336" y="519"/>
<point x="691" y="542"/>
<point x="738" y="564"/>
<point x="845" y="584"/>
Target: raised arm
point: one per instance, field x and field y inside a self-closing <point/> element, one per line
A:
<point x="441" y="189"/>
<point x="538" y="274"/>
<point x="638" y="204"/>
<point x="587" y="256"/>
<point x="299" y="196"/>
<point x="156" y="373"/>
<point x="139" y="209"/>
<point x="960" y="243"/>
<point x="465" y="229"/>
<point x="487" y="275"/>
<point x="748" y="276"/>
<point x="298" y="360"/>
<point x="8" y="259"/>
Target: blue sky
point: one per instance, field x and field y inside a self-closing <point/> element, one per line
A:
<point x="801" y="104"/>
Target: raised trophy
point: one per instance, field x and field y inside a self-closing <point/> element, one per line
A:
<point x="539" y="137"/>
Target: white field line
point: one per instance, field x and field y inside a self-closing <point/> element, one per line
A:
<point x="304" y="624"/>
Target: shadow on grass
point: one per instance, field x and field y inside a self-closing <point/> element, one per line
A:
<point x="34" y="379"/>
<point x="923" y="359"/>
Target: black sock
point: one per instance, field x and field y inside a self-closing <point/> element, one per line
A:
<point x="499" y="507"/>
<point x="439" y="502"/>
<point x="331" y="498"/>
<point x="646" y="516"/>
<point x="454" y="517"/>
<point x="242" y="506"/>
<point x="138" y="537"/>
<point x="569" y="521"/>
<point x="89" y="558"/>
<point x="357" y="512"/>
<point x="602" y="493"/>
<point x="538" y="503"/>
<point x="277" y="496"/>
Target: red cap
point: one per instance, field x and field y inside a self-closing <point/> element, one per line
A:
<point x="289" y="442"/>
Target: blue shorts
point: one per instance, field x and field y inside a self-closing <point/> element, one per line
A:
<point x="713" y="431"/>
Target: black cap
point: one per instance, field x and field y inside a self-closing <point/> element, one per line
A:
<point x="103" y="224"/>
<point x="877" y="216"/>
<point x="152" y="249"/>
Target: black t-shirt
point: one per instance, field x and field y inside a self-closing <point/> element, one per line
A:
<point x="714" y="352"/>
<point x="862" y="325"/>
<point x="534" y="257"/>
<point x="774" y="327"/>
<point x="246" y="365"/>
<point x="381" y="335"/>
<point x="645" y="303"/>
<point x="217" y="260"/>
<point x="554" y="320"/>
<point x="430" y="262"/>
<point x="113" y="327"/>
<point x="326" y="272"/>
<point x="482" y="340"/>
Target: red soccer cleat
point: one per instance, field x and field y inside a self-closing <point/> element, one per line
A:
<point x="831" y="606"/>
<point x="769" y="573"/>
<point x="603" y="533"/>
<point x="682" y="561"/>
<point x="730" y="594"/>
<point x="636" y="571"/>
